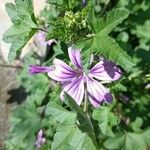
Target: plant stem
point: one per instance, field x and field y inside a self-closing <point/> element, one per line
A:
<point x="93" y="131"/>
<point x="10" y="66"/>
<point x="85" y="101"/>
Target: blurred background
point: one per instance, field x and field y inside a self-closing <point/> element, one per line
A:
<point x="10" y="92"/>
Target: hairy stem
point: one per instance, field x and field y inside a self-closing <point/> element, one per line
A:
<point x="85" y="101"/>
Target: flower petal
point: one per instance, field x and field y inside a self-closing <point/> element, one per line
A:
<point x="40" y="134"/>
<point x="97" y="93"/>
<point x="75" y="57"/>
<point x="49" y="42"/>
<point x="62" y="71"/>
<point x="75" y="89"/>
<point x="105" y="70"/>
<point x="41" y="38"/>
<point x="34" y="69"/>
<point x="43" y="141"/>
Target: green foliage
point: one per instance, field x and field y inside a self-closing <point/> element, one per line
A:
<point x="106" y="120"/>
<point x="143" y="32"/>
<point x="25" y="124"/>
<point x="70" y="24"/>
<point x="107" y="47"/>
<point x="65" y="4"/>
<point x="111" y="20"/>
<point x="128" y="141"/>
<point x="59" y="113"/>
<point x="67" y="135"/>
<point x="119" y="87"/>
<point x="23" y="28"/>
<point x="70" y="27"/>
<point x="36" y="86"/>
<point x="136" y="125"/>
<point x="101" y="43"/>
<point x="117" y="30"/>
<point x="85" y="122"/>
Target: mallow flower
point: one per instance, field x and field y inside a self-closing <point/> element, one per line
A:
<point x="41" y="38"/>
<point x="40" y="139"/>
<point x="77" y="82"/>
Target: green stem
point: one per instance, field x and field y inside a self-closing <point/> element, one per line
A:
<point x="88" y="119"/>
<point x="85" y="101"/>
<point x="93" y="135"/>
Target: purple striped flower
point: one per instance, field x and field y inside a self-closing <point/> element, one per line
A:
<point x="75" y="80"/>
<point x="40" y="139"/>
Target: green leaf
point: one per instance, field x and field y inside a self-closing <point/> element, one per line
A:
<point x="60" y="48"/>
<point x="101" y="43"/>
<point x="23" y="28"/>
<point x="85" y="53"/>
<point x="146" y="136"/>
<point x="25" y="123"/>
<point x="143" y="32"/>
<point x="91" y="18"/>
<point x="108" y="23"/>
<point x="106" y="120"/>
<point x="68" y="136"/>
<point x="115" y="142"/>
<point x="85" y="123"/>
<point x="59" y="113"/>
<point x="127" y="141"/>
<point x="112" y="19"/>
<point x="136" y="125"/>
<point x="119" y="87"/>
<point x="106" y="46"/>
